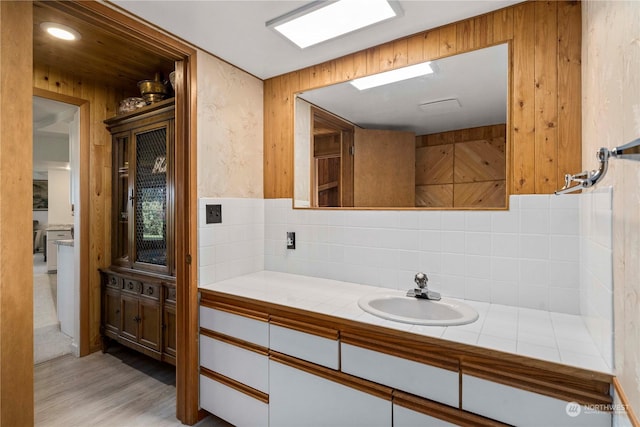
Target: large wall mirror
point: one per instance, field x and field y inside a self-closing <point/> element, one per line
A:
<point x="437" y="140"/>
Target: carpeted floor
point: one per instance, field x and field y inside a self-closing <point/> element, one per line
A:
<point x="48" y="341"/>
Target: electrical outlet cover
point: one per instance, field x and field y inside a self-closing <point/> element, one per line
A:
<point x="213" y="214"/>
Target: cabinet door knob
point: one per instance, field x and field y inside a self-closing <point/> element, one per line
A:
<point x="150" y="291"/>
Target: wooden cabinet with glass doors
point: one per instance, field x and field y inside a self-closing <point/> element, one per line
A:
<point x="142" y="233"/>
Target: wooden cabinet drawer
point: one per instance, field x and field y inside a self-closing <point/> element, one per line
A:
<point x="524" y="408"/>
<point x="321" y="350"/>
<point x="232" y="405"/>
<point x="151" y="290"/>
<point x="132" y="286"/>
<point x="247" y="366"/>
<point x="250" y="329"/>
<point x="170" y="294"/>
<point x="113" y="281"/>
<point x="431" y="382"/>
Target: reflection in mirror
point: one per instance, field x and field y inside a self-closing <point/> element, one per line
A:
<point x="437" y="140"/>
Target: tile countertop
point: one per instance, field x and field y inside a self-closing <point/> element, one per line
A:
<point x="555" y="337"/>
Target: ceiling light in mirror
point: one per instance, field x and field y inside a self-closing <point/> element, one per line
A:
<point x="321" y="21"/>
<point x="60" y="31"/>
<point x="441" y="106"/>
<point x="392" y="76"/>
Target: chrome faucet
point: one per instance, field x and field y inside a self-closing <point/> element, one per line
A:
<point x="422" y="291"/>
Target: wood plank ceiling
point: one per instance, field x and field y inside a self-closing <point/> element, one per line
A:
<point x="111" y="59"/>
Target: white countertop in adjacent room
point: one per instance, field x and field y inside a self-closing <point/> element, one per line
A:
<point x="65" y="242"/>
<point x="59" y="227"/>
<point x="554" y="337"/>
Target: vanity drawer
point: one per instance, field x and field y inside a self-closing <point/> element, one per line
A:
<point x="248" y="366"/>
<point x="314" y="344"/>
<point x="253" y="329"/>
<point x="524" y="408"/>
<point x="404" y="417"/>
<point x="232" y="405"/>
<point x="432" y="382"/>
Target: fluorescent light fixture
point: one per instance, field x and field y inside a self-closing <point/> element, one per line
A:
<point x="392" y="76"/>
<point x="441" y="106"/>
<point x="321" y="20"/>
<point x="60" y="31"/>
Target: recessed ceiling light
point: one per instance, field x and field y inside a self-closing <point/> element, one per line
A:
<point x="320" y="20"/>
<point x="392" y="76"/>
<point x="60" y="31"/>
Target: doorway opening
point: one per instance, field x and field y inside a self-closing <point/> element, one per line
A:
<point x="56" y="142"/>
<point x="114" y="54"/>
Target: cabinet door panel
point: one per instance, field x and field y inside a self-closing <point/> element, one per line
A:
<point x="112" y="310"/>
<point x="151" y="196"/>
<point x="297" y="398"/>
<point x="129" y="317"/>
<point x="150" y="324"/>
<point x="169" y="330"/>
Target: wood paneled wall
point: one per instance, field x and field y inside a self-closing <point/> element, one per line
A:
<point x="465" y="168"/>
<point x="103" y="102"/>
<point x="16" y="176"/>
<point x="544" y="137"/>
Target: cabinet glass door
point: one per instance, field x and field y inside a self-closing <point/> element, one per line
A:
<point x="121" y="199"/>
<point x="150" y="232"/>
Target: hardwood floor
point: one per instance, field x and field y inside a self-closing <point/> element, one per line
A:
<point x="121" y="388"/>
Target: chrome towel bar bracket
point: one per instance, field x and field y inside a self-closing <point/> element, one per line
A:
<point x="590" y="178"/>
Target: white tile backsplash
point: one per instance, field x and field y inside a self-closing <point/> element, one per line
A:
<point x="546" y="252"/>
<point x="236" y="246"/>
<point x="509" y="256"/>
<point x="596" y="269"/>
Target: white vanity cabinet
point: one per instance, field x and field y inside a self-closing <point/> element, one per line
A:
<point x="268" y="364"/>
<point x="304" y="395"/>
<point x="234" y="364"/>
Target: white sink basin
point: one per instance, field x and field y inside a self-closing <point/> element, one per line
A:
<point x="398" y="307"/>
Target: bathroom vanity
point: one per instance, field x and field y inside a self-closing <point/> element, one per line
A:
<point x="281" y="350"/>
